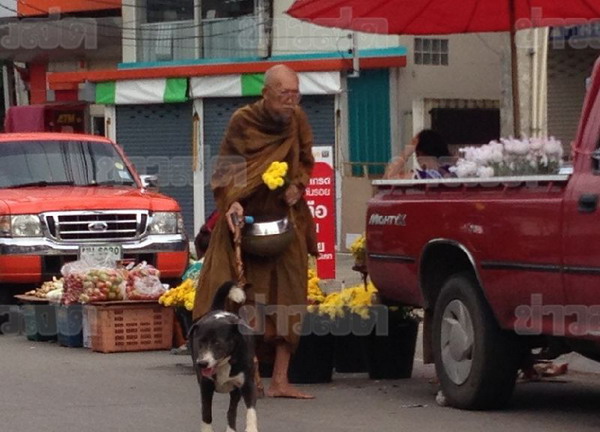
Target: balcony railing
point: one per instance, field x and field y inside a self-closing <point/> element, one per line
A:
<point x="165" y="41"/>
<point x="231" y="38"/>
<point x="222" y="38"/>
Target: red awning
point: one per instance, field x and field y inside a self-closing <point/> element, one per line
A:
<point x="29" y="118"/>
<point x="66" y="117"/>
<point x="429" y="17"/>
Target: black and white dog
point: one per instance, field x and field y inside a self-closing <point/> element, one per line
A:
<point x="223" y="355"/>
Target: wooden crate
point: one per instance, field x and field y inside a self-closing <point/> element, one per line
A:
<point x="129" y="326"/>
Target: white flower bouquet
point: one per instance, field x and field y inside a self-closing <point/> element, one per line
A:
<point x="510" y="157"/>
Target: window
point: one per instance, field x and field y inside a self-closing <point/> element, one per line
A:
<point x="212" y="9"/>
<point x="431" y="52"/>
<point x="77" y="162"/>
<point x="171" y="10"/>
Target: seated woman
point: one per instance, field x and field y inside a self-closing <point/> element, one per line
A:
<point x="432" y="157"/>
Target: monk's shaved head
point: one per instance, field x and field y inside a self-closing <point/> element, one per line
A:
<point x="281" y="92"/>
<point x="276" y="75"/>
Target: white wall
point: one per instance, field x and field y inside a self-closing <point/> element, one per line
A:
<point x="8" y="4"/>
<point x="132" y="16"/>
<point x="474" y="72"/>
<point x="292" y="36"/>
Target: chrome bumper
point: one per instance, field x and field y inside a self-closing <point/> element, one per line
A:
<point x="43" y="246"/>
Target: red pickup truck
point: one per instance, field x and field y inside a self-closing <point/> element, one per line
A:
<point x="500" y="265"/>
<point x="61" y="194"/>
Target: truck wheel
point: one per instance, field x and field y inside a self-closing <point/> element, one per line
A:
<point x="476" y="361"/>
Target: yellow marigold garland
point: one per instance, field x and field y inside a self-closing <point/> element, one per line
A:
<point x="274" y="176"/>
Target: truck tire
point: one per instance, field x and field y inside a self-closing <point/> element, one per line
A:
<point x="476" y="362"/>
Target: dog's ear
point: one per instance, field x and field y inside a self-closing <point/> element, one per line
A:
<point x="192" y="330"/>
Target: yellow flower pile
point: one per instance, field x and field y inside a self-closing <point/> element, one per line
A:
<point x="183" y="295"/>
<point x="274" y="176"/>
<point x="355" y="299"/>
<point x="358" y="248"/>
<point x="314" y="295"/>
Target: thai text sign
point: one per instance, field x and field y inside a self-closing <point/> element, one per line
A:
<point x="320" y="196"/>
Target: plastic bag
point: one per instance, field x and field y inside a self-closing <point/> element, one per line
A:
<point x="87" y="282"/>
<point x="143" y="283"/>
<point x="193" y="271"/>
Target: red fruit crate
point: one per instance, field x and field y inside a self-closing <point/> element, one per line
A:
<point x="130" y="326"/>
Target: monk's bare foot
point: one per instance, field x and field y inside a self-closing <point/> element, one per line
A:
<point x="260" y="392"/>
<point x="287" y="391"/>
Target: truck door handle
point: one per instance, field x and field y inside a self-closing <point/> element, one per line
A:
<point x="588" y="203"/>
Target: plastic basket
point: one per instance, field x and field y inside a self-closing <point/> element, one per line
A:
<point x="130" y="327"/>
<point x="40" y="322"/>
<point x="69" y="321"/>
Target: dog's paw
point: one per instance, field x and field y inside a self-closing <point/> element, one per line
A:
<point x="206" y="427"/>
<point x="237" y="295"/>
<point x="251" y="422"/>
<point x="229" y="429"/>
<point x="440" y="399"/>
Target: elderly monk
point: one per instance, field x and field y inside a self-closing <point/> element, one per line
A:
<point x="272" y="129"/>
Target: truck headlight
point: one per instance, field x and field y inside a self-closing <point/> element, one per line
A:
<point x="166" y="223"/>
<point x="4" y="226"/>
<point x="25" y="226"/>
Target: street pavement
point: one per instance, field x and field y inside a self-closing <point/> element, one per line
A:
<point x="49" y="388"/>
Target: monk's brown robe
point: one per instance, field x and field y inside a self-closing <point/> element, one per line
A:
<point x="253" y="141"/>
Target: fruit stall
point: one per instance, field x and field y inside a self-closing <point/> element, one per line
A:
<point x="105" y="305"/>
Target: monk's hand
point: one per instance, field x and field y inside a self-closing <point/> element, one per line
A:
<point x="292" y="194"/>
<point x="237" y="210"/>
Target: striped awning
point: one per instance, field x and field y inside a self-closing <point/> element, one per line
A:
<point x="311" y="83"/>
<point x="148" y="91"/>
<point x="174" y="90"/>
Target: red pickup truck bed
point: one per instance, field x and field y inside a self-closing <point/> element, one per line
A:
<point x="500" y="265"/>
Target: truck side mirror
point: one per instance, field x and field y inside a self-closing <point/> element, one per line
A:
<point x="149" y="182"/>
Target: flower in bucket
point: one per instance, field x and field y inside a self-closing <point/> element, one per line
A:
<point x="181" y="296"/>
<point x="510" y="157"/>
<point x="274" y="176"/>
<point x="357" y="299"/>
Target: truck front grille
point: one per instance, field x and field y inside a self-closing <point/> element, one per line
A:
<point x="96" y="226"/>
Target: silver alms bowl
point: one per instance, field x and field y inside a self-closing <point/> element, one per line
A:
<point x="268" y="238"/>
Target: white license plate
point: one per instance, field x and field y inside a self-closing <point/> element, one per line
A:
<point x="101" y="254"/>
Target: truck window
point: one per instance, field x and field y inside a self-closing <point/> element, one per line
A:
<point x="81" y="163"/>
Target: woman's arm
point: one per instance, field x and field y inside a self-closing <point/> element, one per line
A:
<point x="396" y="169"/>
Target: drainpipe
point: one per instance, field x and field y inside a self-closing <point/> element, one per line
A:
<point x="269" y="28"/>
<point x="543" y="91"/>
<point x="198" y="29"/>
<point x="514" y="62"/>
<point x="533" y="113"/>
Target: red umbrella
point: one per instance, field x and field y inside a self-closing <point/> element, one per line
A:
<point x="435" y="17"/>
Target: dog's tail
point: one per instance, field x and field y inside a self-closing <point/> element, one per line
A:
<point x="228" y="290"/>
